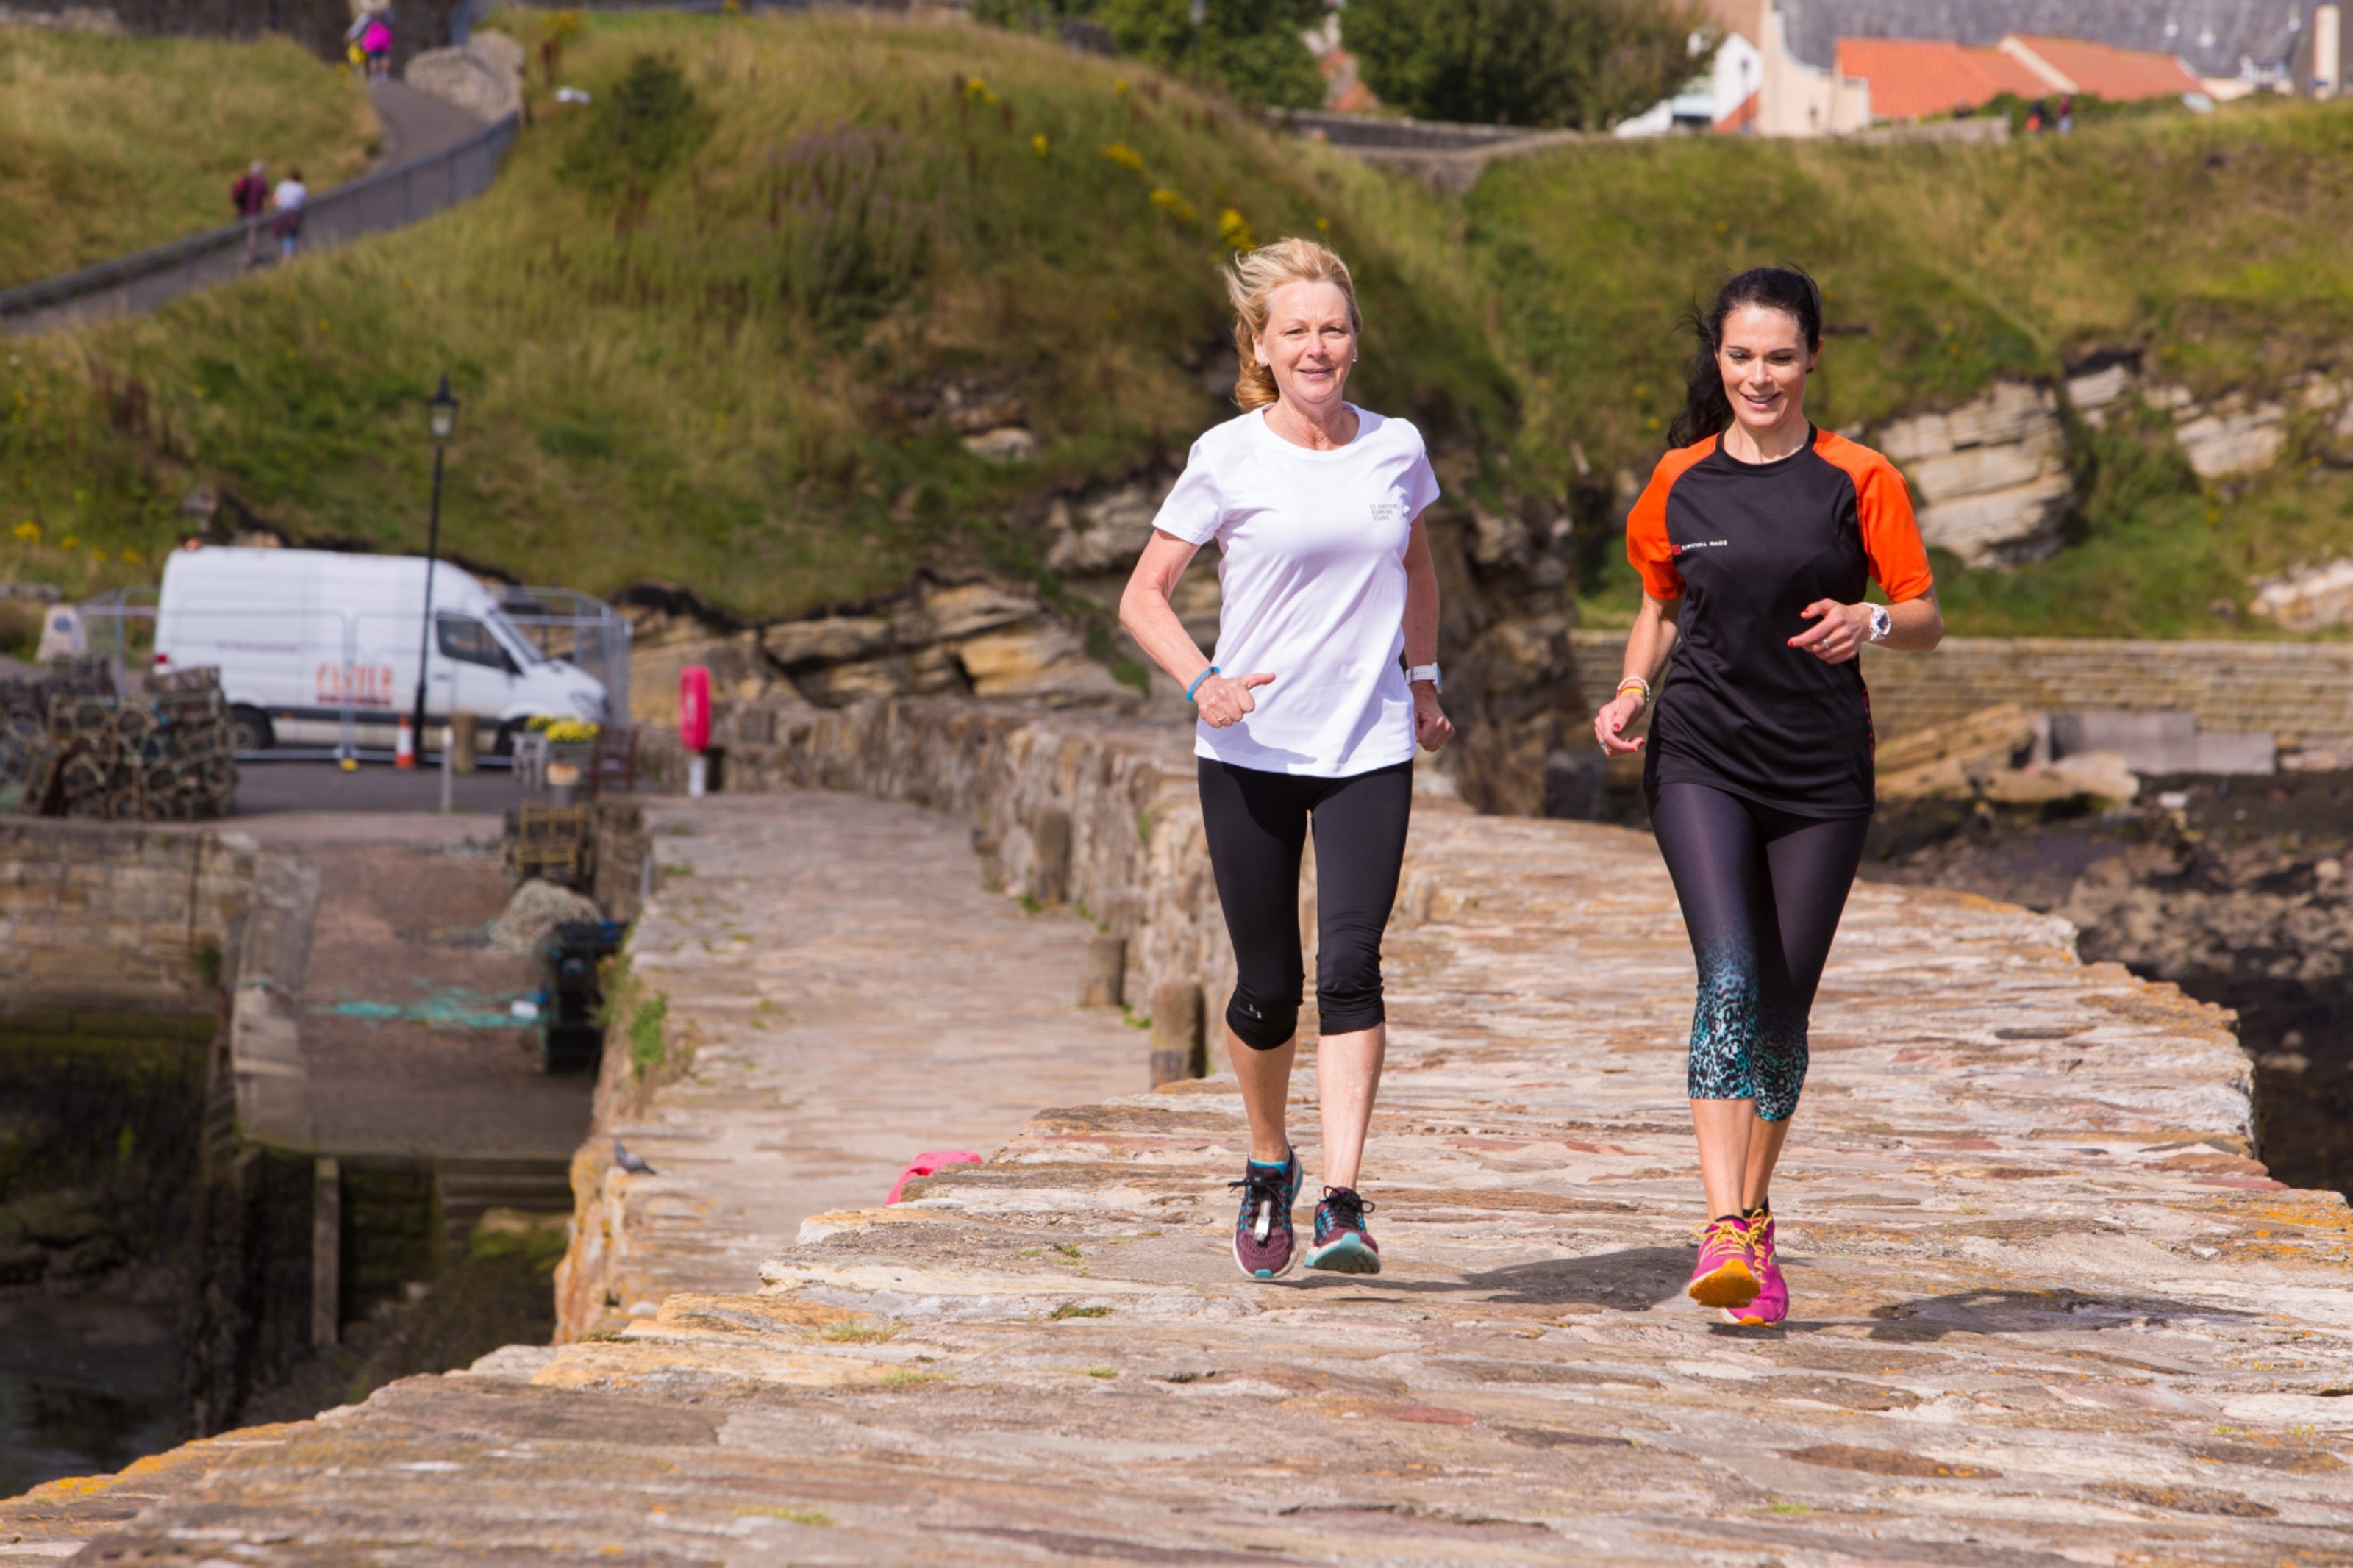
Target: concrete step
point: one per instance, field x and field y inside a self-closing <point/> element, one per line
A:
<point x="471" y="1187"/>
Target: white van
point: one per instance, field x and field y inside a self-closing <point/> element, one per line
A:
<point x="304" y="636"/>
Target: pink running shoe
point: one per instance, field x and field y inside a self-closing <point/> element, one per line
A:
<point x="1726" y="1274"/>
<point x="1772" y="1302"/>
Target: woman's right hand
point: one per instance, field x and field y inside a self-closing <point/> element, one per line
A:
<point x="1610" y="724"/>
<point x="1224" y="698"/>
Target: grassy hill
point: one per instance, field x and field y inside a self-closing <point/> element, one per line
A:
<point x="2217" y="246"/>
<point x="735" y="337"/>
<point x="109" y="144"/>
<point x="730" y="324"/>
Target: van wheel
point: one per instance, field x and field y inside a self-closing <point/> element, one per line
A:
<point x="249" y="731"/>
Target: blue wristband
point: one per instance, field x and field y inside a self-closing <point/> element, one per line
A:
<point x="1196" y="681"/>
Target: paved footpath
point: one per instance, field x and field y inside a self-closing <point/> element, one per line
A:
<point x="2048" y="1310"/>
<point x="855" y="998"/>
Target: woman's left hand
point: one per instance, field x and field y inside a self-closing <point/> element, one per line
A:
<point x="1840" y="633"/>
<point x="1431" y="727"/>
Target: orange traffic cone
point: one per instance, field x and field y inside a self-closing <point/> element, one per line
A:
<point x="404" y="749"/>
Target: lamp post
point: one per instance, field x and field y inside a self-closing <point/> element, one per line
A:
<point x="441" y="415"/>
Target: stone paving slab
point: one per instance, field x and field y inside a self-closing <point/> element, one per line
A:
<point x="853" y="997"/>
<point x="2049" y="1310"/>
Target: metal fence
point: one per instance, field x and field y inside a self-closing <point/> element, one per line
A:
<point x="388" y="199"/>
<point x="566" y="624"/>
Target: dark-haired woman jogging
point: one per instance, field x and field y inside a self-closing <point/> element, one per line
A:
<point x="1755" y="540"/>
<point x="1307" y="713"/>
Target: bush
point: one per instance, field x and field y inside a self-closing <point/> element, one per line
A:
<point x="1585" y="64"/>
<point x="1252" y="48"/>
<point x="648" y="124"/>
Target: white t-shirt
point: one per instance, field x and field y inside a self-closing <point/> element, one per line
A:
<point x="291" y="195"/>
<point x="1314" y="581"/>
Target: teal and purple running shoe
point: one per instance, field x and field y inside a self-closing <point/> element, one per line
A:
<point x="1342" y="1244"/>
<point x="1264" y="1240"/>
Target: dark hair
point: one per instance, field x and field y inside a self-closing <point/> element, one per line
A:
<point x="1788" y="290"/>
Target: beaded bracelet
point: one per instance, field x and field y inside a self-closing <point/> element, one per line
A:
<point x="1196" y="682"/>
<point x="1634" y="683"/>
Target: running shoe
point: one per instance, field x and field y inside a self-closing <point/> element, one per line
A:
<point x="1262" y="1235"/>
<point x="1772" y="1301"/>
<point x="1726" y="1274"/>
<point x="1342" y="1243"/>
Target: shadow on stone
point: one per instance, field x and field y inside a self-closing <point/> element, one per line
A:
<point x="1631" y="1281"/>
<point x="2033" y="1312"/>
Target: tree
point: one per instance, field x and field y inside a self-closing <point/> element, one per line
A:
<point x="1537" y="63"/>
<point x="1253" y="48"/>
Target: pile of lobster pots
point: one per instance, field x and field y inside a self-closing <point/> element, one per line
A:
<point x="77" y="746"/>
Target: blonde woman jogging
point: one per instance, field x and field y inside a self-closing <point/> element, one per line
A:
<point x="1755" y="540"/>
<point x="1308" y="714"/>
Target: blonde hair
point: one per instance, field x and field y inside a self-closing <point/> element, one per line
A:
<point x="1250" y="284"/>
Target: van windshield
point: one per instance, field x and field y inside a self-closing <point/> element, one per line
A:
<point x="526" y="652"/>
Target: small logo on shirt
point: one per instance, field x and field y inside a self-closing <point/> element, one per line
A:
<point x="1389" y="511"/>
<point x="1674" y="550"/>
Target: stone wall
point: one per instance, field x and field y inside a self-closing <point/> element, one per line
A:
<point x="118" y="916"/>
<point x="1502" y="639"/>
<point x="2301" y="692"/>
<point x="483" y="76"/>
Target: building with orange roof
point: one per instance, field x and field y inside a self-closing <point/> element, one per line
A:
<point x="2099" y="70"/>
<point x="1915" y="78"/>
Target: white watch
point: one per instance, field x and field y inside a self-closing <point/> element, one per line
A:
<point x="1882" y="621"/>
<point x="1424" y="672"/>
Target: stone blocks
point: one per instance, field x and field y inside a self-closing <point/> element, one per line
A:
<point x="1990" y="479"/>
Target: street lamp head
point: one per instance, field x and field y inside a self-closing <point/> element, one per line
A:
<point x="442" y="410"/>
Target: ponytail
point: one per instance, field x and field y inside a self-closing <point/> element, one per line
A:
<point x="1788" y="290"/>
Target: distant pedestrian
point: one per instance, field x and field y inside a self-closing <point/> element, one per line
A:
<point x="250" y="196"/>
<point x="2037" y="118"/>
<point x="375" y="43"/>
<point x="2066" y="113"/>
<point x="291" y="198"/>
<point x="1325" y="678"/>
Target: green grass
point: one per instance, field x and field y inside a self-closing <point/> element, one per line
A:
<point x="706" y="328"/>
<point x="109" y="145"/>
<point x="725" y="375"/>
<point x="2214" y="245"/>
<point x="648" y="1049"/>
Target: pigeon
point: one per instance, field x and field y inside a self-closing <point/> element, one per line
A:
<point x="631" y="1162"/>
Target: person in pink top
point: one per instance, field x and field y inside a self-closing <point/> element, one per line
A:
<point x="375" y="43"/>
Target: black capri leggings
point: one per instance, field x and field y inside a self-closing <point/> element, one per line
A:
<point x="1257" y="825"/>
<point x="1761" y="891"/>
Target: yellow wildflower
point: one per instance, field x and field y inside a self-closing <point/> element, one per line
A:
<point x="1234" y="230"/>
<point x="1120" y="152"/>
<point x="1040" y="145"/>
<point x="1172" y="204"/>
<point x="29" y="532"/>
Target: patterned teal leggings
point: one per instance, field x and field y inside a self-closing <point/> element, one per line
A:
<point x="1761" y="891"/>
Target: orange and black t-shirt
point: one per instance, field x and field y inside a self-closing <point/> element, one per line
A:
<point x="1747" y="547"/>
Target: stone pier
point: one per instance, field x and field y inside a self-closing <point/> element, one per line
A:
<point x="2050" y="1309"/>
